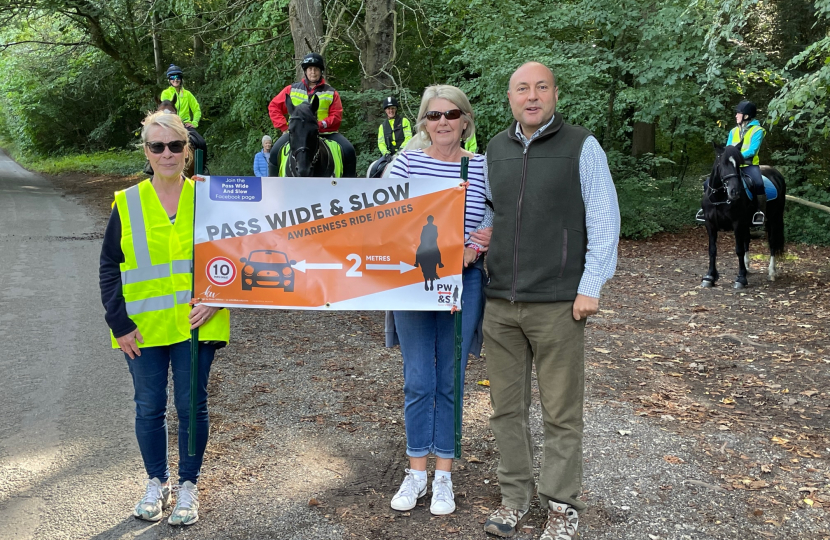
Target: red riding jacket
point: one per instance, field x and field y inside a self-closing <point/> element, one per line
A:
<point x="279" y="112"/>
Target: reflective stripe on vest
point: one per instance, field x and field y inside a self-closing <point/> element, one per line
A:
<point x="735" y="138"/>
<point x="299" y="94"/>
<point x="334" y="148"/>
<point x="157" y="272"/>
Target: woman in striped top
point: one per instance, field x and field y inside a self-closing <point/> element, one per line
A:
<point x="427" y="337"/>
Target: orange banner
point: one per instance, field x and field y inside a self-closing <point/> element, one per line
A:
<point x="318" y="243"/>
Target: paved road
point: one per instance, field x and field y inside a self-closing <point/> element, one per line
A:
<point x="69" y="464"/>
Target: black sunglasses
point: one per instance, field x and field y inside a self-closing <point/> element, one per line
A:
<point x="175" y="77"/>
<point x="177" y="147"/>
<point x="433" y="116"/>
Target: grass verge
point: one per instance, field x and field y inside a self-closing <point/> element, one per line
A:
<point x="117" y="162"/>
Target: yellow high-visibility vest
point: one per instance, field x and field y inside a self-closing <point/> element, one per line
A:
<point x="735" y="138"/>
<point x="325" y="93"/>
<point x="157" y="272"/>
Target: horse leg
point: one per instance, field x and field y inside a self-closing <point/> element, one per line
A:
<point x="772" y="271"/>
<point x="740" y="251"/>
<point x="746" y="256"/>
<point x="711" y="276"/>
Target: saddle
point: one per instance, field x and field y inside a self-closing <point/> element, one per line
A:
<point x="769" y="187"/>
<point x="376" y="170"/>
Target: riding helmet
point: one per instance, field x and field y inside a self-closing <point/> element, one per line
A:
<point x="389" y="102"/>
<point x="746" y="108"/>
<point x="313" y="59"/>
<point x="174" y="70"/>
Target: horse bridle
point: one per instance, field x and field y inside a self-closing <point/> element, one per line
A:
<point x="293" y="155"/>
<point x="722" y="187"/>
<point x="712" y="191"/>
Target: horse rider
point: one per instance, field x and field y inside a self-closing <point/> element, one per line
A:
<point x="329" y="114"/>
<point x="182" y="99"/>
<point x="395" y="131"/>
<point x="186" y="106"/>
<point x="749" y="134"/>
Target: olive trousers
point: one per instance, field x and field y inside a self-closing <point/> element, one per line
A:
<point x="516" y="336"/>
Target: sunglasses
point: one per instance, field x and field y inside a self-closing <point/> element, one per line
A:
<point x="177" y="147"/>
<point x="434" y="116"/>
<point x="175" y="77"/>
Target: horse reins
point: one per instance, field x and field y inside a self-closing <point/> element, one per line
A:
<point x="314" y="160"/>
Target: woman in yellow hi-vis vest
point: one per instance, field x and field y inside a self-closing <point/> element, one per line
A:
<point x="749" y="135"/>
<point x="145" y="276"/>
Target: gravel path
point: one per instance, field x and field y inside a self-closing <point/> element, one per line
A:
<point x="307" y="417"/>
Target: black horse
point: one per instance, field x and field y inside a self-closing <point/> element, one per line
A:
<point x="308" y="154"/>
<point x="727" y="207"/>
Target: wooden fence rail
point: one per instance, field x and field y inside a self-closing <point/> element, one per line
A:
<point x="808" y="203"/>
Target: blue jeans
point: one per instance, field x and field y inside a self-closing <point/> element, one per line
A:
<point x="149" y="372"/>
<point x="428" y="346"/>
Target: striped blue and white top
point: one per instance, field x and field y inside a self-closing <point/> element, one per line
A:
<point x="417" y="163"/>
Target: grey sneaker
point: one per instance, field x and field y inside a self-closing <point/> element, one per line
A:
<point x="562" y="523"/>
<point x="410" y="491"/>
<point x="186" y="511"/>
<point x="504" y="521"/>
<point x="156" y="499"/>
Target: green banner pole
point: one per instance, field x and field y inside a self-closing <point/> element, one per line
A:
<point x="458" y="394"/>
<point x="194" y="334"/>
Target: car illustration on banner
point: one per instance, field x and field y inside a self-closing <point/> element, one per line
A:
<point x="267" y="268"/>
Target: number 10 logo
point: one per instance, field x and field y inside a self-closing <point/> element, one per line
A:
<point x="221" y="271"/>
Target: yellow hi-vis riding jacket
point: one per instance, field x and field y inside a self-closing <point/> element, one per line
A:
<point x="750" y="141"/>
<point x="157" y="272"/>
<point x="186" y="105"/>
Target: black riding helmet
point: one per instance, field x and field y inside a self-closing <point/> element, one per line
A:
<point x="174" y="70"/>
<point x="389" y="102"/>
<point x="747" y="108"/>
<point x="313" y="59"/>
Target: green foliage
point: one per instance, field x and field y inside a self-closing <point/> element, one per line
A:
<point x="119" y="162"/>
<point x="805" y="224"/>
<point x="649" y="205"/>
<point x="803" y="100"/>
<point x="676" y="64"/>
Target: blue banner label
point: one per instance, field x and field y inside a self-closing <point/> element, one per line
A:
<point x="236" y="188"/>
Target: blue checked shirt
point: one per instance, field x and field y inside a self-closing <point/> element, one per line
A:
<point x="602" y="212"/>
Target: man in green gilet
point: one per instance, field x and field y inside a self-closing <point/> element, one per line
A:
<point x="556" y="225"/>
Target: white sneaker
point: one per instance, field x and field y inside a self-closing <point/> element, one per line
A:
<point x="411" y="490"/>
<point x="443" y="500"/>
<point x="156" y="499"/>
<point x="186" y="511"/>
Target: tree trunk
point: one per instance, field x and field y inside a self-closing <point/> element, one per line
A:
<point x="378" y="51"/>
<point x="198" y="46"/>
<point x="608" y="136"/>
<point x="642" y="141"/>
<point x="306" y="17"/>
<point x="157" y="47"/>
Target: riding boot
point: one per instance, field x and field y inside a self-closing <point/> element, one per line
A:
<point x="760" y="215"/>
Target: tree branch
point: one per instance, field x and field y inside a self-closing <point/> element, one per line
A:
<point x="4" y="46"/>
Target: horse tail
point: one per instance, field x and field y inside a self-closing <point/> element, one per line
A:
<point x="775" y="213"/>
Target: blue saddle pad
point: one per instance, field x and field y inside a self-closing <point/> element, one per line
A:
<point x="769" y="187"/>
